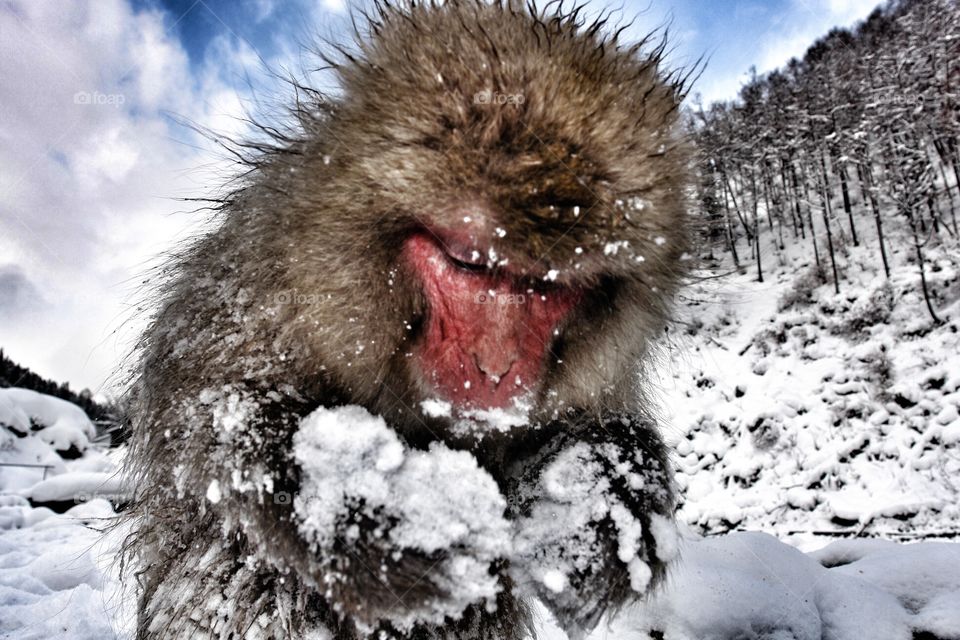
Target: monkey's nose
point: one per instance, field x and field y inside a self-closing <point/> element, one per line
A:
<point x="494" y="366"/>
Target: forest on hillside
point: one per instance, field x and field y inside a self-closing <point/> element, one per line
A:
<point x="858" y="137"/>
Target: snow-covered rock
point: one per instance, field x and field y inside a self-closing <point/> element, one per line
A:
<point x="61" y="424"/>
<point x="80" y="486"/>
<point x="47" y="451"/>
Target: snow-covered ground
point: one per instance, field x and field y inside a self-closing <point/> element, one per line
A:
<point x="829" y="421"/>
<point x="57" y="571"/>
<point x="797" y="411"/>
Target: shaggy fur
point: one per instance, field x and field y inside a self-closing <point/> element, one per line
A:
<point x="299" y="300"/>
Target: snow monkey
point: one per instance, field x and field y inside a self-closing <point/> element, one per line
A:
<point x="398" y="391"/>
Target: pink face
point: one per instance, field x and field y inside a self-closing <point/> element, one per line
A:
<point x="488" y="331"/>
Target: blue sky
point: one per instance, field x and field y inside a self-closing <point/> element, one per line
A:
<point x="732" y="34"/>
<point x="92" y="164"/>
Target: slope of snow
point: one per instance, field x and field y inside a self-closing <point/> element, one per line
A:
<point x="58" y="574"/>
<point x="796" y="410"/>
<point x="749" y="585"/>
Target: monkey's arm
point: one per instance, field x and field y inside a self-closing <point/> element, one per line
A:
<point x="402" y="536"/>
<point x="381" y="536"/>
<point x="593" y="517"/>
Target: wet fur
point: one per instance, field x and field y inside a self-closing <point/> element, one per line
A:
<point x="319" y="214"/>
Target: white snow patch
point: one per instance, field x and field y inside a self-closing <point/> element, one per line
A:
<point x="436" y="408"/>
<point x="349" y="456"/>
<point x="214" y="493"/>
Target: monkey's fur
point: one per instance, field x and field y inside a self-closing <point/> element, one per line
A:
<point x="232" y="361"/>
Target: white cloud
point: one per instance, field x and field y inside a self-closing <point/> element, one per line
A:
<point x="803" y="24"/>
<point x="263" y="9"/>
<point x="773" y="37"/>
<point x="335" y="6"/>
<point x="90" y="165"/>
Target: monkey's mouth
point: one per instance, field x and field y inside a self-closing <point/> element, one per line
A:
<point x="488" y="332"/>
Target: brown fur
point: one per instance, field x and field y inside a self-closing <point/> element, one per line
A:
<point x="318" y="217"/>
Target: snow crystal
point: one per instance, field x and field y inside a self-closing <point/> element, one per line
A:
<point x="213" y="492"/>
<point x="555" y="581"/>
<point x="478" y="422"/>
<point x="665" y="534"/>
<point x="436" y="408"/>
<point x="612" y="248"/>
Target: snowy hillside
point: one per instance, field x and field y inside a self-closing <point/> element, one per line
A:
<point x="797" y="410"/>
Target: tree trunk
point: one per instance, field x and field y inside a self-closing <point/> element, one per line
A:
<point x="866" y="183"/>
<point x="825" y="197"/>
<point x="923" y="276"/>
<point x="949" y="192"/>
<point x="786" y="198"/>
<point x="756" y="225"/>
<point x="846" y="204"/>
<point x="796" y="200"/>
<point x="813" y="232"/>
<point x="731" y="238"/>
<point x="768" y="201"/>
<point x="736" y="207"/>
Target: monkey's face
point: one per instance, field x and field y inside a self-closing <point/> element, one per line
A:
<point x="489" y="328"/>
<point x="527" y="306"/>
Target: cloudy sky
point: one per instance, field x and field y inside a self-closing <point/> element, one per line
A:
<point x="94" y="158"/>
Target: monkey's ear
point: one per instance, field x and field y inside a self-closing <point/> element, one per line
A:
<point x="593" y="519"/>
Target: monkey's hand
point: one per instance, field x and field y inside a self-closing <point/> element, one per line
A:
<point x="593" y="518"/>
<point x="401" y="536"/>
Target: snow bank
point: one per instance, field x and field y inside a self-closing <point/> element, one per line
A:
<point x="53" y="437"/>
<point x="749" y="585"/>
<point x="62" y="424"/>
<point x="80" y="487"/>
<point x="58" y="576"/>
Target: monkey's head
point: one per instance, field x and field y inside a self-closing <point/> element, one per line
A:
<point x="494" y="203"/>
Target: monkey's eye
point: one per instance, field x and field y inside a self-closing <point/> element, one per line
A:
<point x="475" y="267"/>
<point x="465" y="257"/>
